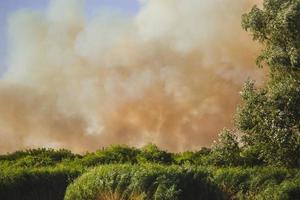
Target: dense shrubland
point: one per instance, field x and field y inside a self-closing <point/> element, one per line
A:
<point x="185" y="182"/>
<point x="122" y="172"/>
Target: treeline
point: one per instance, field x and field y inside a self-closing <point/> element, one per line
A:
<point x="225" y="153"/>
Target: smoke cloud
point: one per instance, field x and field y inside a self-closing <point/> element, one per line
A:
<point x="169" y="75"/>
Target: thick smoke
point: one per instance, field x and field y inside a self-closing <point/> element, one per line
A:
<point x="168" y="75"/>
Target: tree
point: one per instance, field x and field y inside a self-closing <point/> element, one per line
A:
<point x="277" y="27"/>
<point x="270" y="120"/>
<point x="269" y="117"/>
<point x="226" y="152"/>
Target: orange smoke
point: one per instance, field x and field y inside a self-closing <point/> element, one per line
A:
<point x="169" y="75"/>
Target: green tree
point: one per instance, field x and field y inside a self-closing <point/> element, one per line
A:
<point x="226" y="151"/>
<point x="269" y="116"/>
<point x="277" y="27"/>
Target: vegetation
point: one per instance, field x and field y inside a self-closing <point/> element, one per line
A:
<point x="269" y="117"/>
<point x="37" y="183"/>
<point x="143" y="182"/>
<point x="187" y="183"/>
<point x="143" y="174"/>
<point x="258" y="159"/>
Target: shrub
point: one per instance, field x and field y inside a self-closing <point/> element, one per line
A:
<point x="145" y="182"/>
<point x="288" y="190"/>
<point x="199" y="157"/>
<point x="258" y="182"/>
<point x="151" y="153"/>
<point x="35" y="184"/>
<point x="37" y="157"/>
<point x="56" y="155"/>
<point x="115" y="154"/>
<point x="233" y="181"/>
<point x="226" y="152"/>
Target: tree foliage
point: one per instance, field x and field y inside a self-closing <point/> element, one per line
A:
<point x="226" y="152"/>
<point x="277" y="27"/>
<point x="269" y="117"/>
<point x="270" y="120"/>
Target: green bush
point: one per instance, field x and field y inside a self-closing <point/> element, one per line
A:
<point x="56" y="155"/>
<point x="115" y="154"/>
<point x="151" y="153"/>
<point x="200" y="157"/>
<point x="233" y="181"/>
<point x="144" y="182"/>
<point x="258" y="183"/>
<point x="35" y="184"/>
<point x="287" y="190"/>
<point x="37" y="158"/>
<point x="226" y="152"/>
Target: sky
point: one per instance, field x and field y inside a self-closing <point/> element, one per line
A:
<point x="8" y="7"/>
